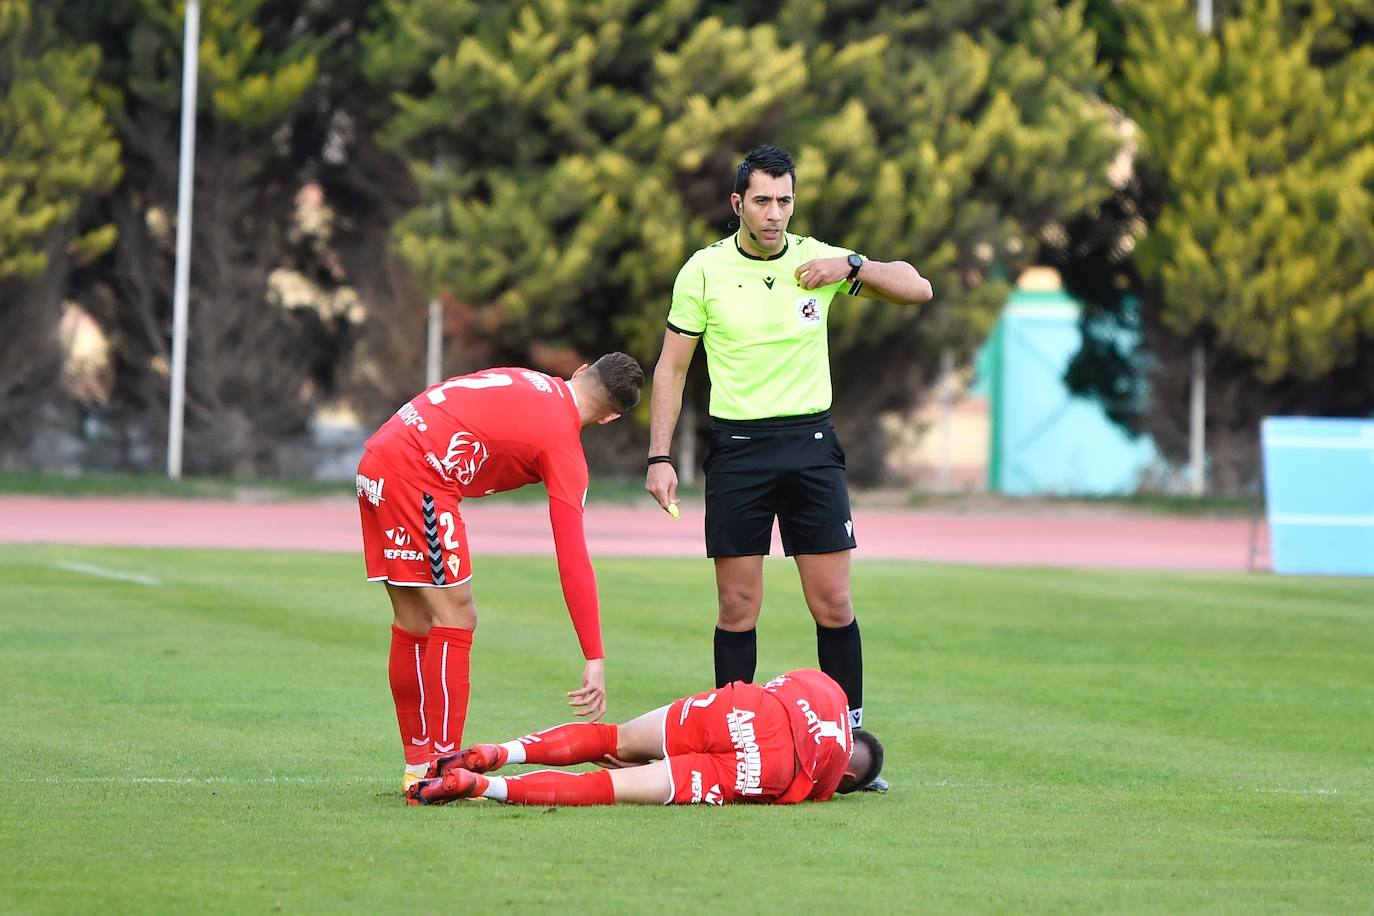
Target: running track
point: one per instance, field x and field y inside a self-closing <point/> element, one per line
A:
<point x="1097" y="541"/>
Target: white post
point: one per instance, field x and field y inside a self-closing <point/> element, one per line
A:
<point x="1197" y="408"/>
<point x="1204" y="16"/>
<point x="687" y="442"/>
<point x="1197" y="418"/>
<point x="190" y="64"/>
<point x="946" y="416"/>
<point x="434" y="350"/>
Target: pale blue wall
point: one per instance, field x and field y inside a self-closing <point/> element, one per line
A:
<point x="1319" y="494"/>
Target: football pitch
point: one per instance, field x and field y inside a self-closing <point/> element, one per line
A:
<point x="200" y="731"/>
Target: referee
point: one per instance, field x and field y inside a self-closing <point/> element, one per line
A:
<point x="759" y="300"/>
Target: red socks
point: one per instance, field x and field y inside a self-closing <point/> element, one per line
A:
<point x="575" y="742"/>
<point x="550" y="787"/>
<point x="445" y="680"/>
<point x="407" y="651"/>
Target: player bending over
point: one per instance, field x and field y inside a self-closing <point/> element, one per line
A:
<point x="786" y="741"/>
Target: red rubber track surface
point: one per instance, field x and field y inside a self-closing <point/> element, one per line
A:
<point x="1094" y="542"/>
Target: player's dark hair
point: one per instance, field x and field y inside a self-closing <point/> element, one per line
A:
<point x="771" y="160"/>
<point x="875" y="762"/>
<point x="620" y="377"/>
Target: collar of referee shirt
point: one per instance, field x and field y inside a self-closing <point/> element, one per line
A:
<point x="754" y="257"/>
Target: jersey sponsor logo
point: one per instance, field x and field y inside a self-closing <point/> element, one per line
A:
<point x="465" y="456"/>
<point x="808" y="310"/>
<point x="410" y="416"/>
<point x="710" y="796"/>
<point x="819" y="728"/>
<point x="694" y="701"/>
<point x="372" y="489"/>
<point x="748" y="760"/>
<point x="538" y="380"/>
<point x="402" y="553"/>
<point x="398" y="536"/>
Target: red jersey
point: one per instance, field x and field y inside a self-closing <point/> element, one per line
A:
<point x="819" y="715"/>
<point x="470" y="436"/>
<point x="491" y="431"/>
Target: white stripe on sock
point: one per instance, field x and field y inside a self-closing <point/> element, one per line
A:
<point x="443" y="680"/>
<point x="515" y="750"/>
<point x="419" y="676"/>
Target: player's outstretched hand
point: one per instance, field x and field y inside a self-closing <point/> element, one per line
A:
<point x="590" y="700"/>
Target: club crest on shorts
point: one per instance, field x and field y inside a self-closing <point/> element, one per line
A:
<point x="808" y="310"/>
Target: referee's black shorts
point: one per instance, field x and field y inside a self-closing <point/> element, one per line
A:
<point x="788" y="467"/>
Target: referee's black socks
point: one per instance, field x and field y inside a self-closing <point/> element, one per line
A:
<point x="737" y="654"/>
<point x="841" y="655"/>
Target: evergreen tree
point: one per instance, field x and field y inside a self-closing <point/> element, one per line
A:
<point x="570" y="156"/>
<point x="1248" y="229"/>
<point x="56" y="149"/>
<point x="256" y="370"/>
<point x="959" y="136"/>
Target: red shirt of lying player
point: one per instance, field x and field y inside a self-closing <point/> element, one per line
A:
<point x="786" y="741"/>
<point x="471" y="436"/>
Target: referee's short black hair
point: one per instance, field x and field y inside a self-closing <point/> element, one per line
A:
<point x="771" y="160"/>
<point x="621" y="378"/>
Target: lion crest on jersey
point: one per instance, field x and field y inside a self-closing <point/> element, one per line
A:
<point x="465" y="457"/>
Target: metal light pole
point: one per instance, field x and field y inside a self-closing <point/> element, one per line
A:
<point x="1204" y="16"/>
<point x="1197" y="401"/>
<point x="944" y="484"/>
<point x="190" y="64"/>
<point x="435" y="343"/>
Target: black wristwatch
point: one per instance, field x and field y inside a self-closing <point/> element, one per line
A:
<point x="855" y="262"/>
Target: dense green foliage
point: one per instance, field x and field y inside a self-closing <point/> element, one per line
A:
<point x="544" y="167"/>
<point x="56" y="150"/>
<point x="570" y="156"/>
<point x="1251" y="222"/>
<point x="258" y="365"/>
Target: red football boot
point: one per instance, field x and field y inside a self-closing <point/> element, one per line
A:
<point x="479" y="758"/>
<point x="454" y="785"/>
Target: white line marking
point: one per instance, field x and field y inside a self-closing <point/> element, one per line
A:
<point x="77" y="779"/>
<point x="106" y="573"/>
<point x="1320" y="442"/>
<point x="1335" y="521"/>
<point x="1039" y="787"/>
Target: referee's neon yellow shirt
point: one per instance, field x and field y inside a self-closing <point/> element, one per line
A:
<point x="765" y="336"/>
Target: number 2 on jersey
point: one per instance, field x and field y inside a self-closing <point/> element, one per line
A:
<point x="450" y="542"/>
<point x="485" y="380"/>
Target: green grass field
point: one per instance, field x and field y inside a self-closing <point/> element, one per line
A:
<point x="218" y="737"/>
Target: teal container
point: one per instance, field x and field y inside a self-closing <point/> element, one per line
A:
<point x="1046" y="441"/>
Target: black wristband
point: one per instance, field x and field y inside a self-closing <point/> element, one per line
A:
<point x="660" y="459"/>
